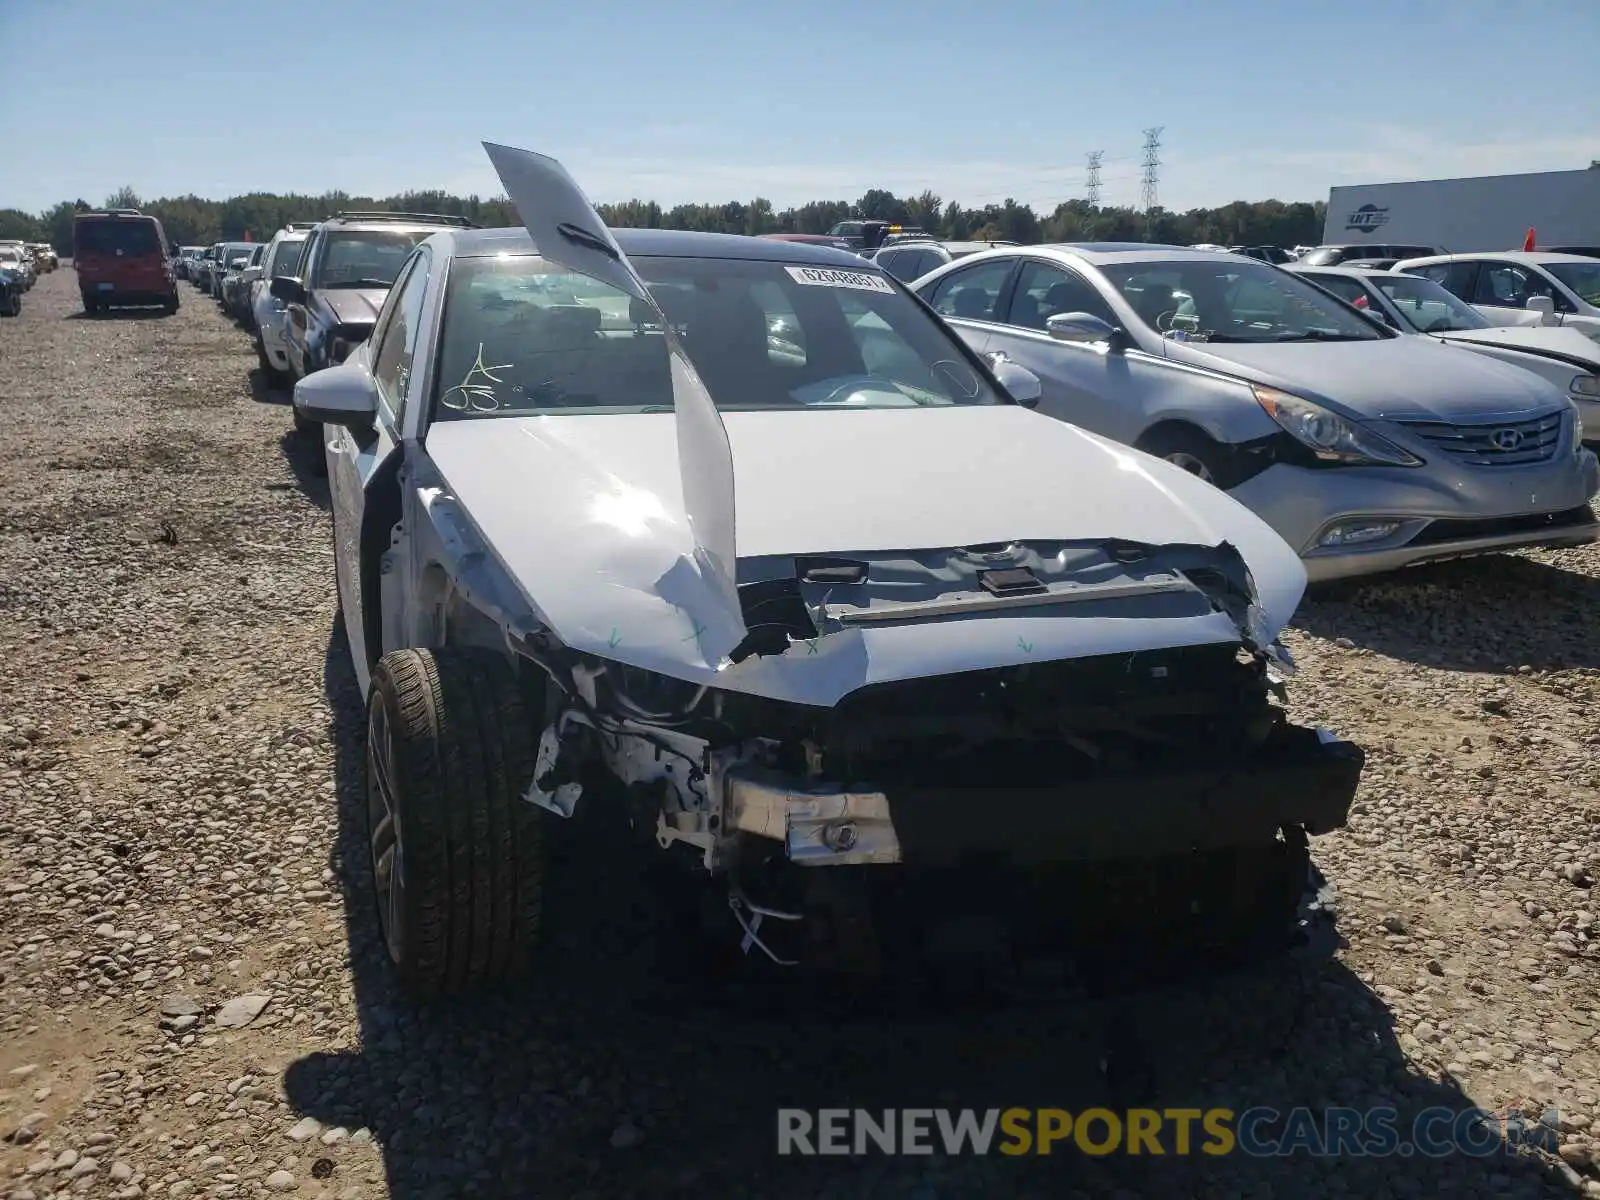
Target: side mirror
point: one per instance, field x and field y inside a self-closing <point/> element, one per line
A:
<point x="1544" y="306"/>
<point x="1085" y="328"/>
<point x="288" y="289"/>
<point x="343" y="395"/>
<point x="1021" y="384"/>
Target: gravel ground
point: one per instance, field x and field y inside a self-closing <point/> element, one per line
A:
<point x="193" y="999"/>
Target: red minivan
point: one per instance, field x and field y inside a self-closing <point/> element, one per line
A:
<point x="121" y="257"/>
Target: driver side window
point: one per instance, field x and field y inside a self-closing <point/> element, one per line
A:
<point x="391" y="368"/>
<point x="1044" y="291"/>
<point x="1502" y="285"/>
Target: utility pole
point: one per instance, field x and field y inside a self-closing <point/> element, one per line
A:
<point x="1152" y="161"/>
<point x="1091" y="186"/>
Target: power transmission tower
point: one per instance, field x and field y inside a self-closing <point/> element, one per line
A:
<point x="1152" y="160"/>
<point x="1091" y="186"/>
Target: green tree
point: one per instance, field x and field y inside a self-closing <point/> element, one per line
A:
<point x="14" y="223"/>
<point x="195" y="220"/>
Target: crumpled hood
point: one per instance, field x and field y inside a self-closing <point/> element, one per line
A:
<point x="1403" y="378"/>
<point x="1534" y="339"/>
<point x="355" y="306"/>
<point x="585" y="514"/>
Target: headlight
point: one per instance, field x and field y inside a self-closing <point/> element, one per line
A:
<point x="1585" y="385"/>
<point x="1330" y="437"/>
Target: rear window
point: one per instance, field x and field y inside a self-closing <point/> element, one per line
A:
<point x="113" y="237"/>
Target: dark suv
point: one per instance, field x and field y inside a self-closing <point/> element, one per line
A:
<point x="121" y="257"/>
<point x="346" y="270"/>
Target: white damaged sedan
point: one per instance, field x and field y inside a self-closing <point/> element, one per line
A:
<point x="734" y="538"/>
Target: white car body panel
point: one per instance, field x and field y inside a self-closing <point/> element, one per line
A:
<point x="552" y="207"/>
<point x="604" y="565"/>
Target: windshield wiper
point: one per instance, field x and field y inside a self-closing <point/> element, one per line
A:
<point x="1319" y="335"/>
<point x="364" y="282"/>
<point x="583" y="237"/>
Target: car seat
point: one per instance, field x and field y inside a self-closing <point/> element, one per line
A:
<point x="971" y="302"/>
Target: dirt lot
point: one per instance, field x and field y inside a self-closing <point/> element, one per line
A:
<point x="179" y="833"/>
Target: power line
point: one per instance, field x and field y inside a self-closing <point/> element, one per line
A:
<point x="1091" y="187"/>
<point x="1152" y="161"/>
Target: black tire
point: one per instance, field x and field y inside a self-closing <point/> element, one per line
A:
<point x="1194" y="451"/>
<point x="450" y="743"/>
<point x="91" y="306"/>
<point x="13" y="305"/>
<point x="170" y="307"/>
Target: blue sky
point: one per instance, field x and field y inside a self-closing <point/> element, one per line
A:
<point x="713" y="100"/>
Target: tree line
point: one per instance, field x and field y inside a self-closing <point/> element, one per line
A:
<point x="193" y="220"/>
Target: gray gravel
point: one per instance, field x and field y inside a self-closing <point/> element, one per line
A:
<point x="193" y="1000"/>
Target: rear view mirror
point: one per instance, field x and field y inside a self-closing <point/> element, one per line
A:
<point x="343" y="395"/>
<point x="288" y="289"/>
<point x="1021" y="384"/>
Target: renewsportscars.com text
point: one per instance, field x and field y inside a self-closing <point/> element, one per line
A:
<point x="1255" y="1132"/>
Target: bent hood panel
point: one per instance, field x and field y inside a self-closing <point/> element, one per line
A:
<point x="1405" y="378"/>
<point x="566" y="228"/>
<point x="585" y="513"/>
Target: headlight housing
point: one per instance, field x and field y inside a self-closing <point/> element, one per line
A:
<point x="1585" y="385"/>
<point x="1332" y="438"/>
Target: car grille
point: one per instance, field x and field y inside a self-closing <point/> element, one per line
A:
<point x="1497" y="443"/>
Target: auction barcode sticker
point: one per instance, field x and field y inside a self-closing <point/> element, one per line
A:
<point x="863" y="281"/>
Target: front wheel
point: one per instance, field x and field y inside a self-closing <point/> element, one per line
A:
<point x="1195" y="452"/>
<point x="457" y="857"/>
<point x="170" y="305"/>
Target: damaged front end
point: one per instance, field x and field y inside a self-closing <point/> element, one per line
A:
<point x="1130" y="719"/>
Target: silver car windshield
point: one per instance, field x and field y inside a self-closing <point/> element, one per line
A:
<point x="1234" y="301"/>
<point x="523" y="336"/>
<point x="1426" y="306"/>
<point x="1582" y="278"/>
<point x="366" y="258"/>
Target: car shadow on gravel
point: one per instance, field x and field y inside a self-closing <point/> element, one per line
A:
<point x="1494" y="614"/>
<point x="626" y="1068"/>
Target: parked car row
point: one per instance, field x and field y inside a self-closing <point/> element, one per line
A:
<point x="15" y="279"/>
<point x="821" y="568"/>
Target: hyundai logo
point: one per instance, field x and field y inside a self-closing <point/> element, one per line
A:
<point x="1506" y="439"/>
<point x="1367" y="218"/>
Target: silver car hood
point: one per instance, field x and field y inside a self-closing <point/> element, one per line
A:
<point x="585" y="515"/>
<point x="1403" y="378"/>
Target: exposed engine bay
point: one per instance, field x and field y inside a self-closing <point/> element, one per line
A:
<point x="1167" y="753"/>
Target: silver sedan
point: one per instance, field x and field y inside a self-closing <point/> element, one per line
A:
<point x="1364" y="449"/>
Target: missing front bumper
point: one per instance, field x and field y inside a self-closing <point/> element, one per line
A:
<point x="1301" y="778"/>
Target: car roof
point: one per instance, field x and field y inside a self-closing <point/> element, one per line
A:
<point x="1106" y="253"/>
<point x="1514" y="256"/>
<point x="664" y="243"/>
